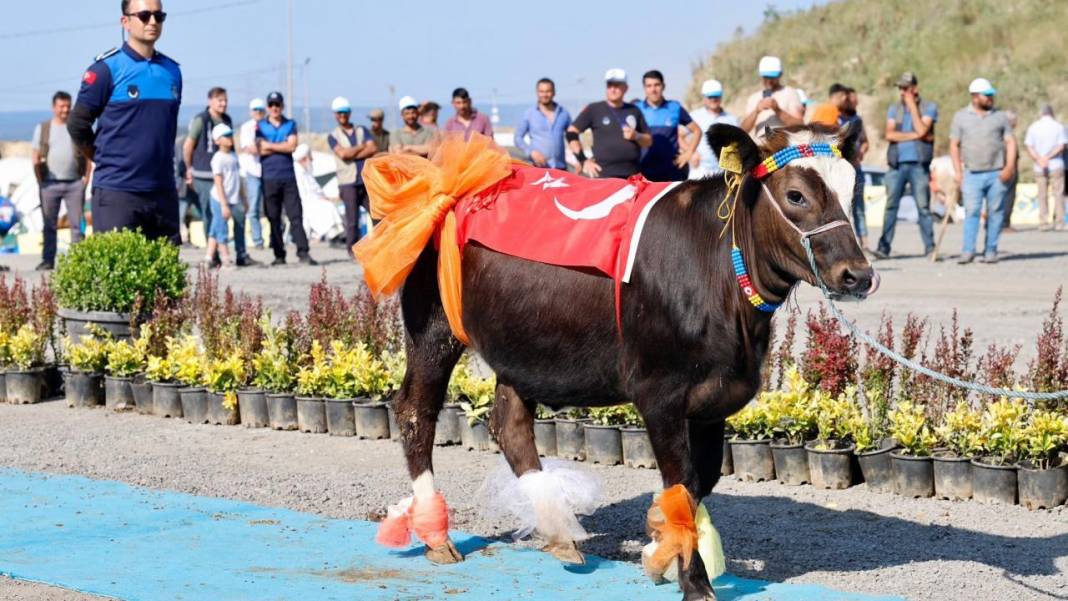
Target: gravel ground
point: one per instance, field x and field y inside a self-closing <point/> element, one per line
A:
<point x="852" y="540"/>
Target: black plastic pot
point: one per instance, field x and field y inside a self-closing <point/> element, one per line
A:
<point x="53" y="380"/>
<point x="252" y="406"/>
<point x="830" y="467"/>
<point x="3" y="387"/>
<point x="726" y="467"/>
<point x="84" y="390"/>
<point x="194" y="404"/>
<point x="637" y="448"/>
<point x="372" y="419"/>
<point x="467" y="434"/>
<point x="394" y="430"/>
<point x="219" y="414"/>
<point x="340" y="417"/>
<point x="753" y="460"/>
<point x="282" y="411"/>
<point x="447" y="431"/>
<point x="604" y="444"/>
<point x="875" y="467"/>
<point x="913" y="476"/>
<point x="25" y="387"/>
<point x="952" y="476"/>
<point x="311" y="415"/>
<point x="571" y="439"/>
<point x="1042" y="489"/>
<point x="993" y="483"/>
<point x="118" y="393"/>
<point x="480" y="433"/>
<point x="545" y="437"/>
<point x="166" y="400"/>
<point x="791" y="463"/>
<point x="142" y="393"/>
<point x="77" y="323"/>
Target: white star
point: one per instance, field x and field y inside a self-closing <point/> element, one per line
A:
<point x="547" y="181"/>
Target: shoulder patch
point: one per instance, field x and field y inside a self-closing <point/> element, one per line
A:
<point x="104" y="55"/>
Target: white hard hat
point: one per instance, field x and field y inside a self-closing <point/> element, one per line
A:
<point x="615" y="76"/>
<point x="341" y="105"/>
<point x="221" y="131"/>
<point x="712" y="88"/>
<point x="770" y="66"/>
<point x="408" y="102"/>
<point x="981" y="86"/>
<point x="257" y="104"/>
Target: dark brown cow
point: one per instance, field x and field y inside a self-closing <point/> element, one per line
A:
<point x="691" y="347"/>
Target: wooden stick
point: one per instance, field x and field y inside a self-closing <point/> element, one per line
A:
<point x="950" y="207"/>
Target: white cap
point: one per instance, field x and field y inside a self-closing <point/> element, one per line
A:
<point x="615" y="76"/>
<point x="981" y="86"/>
<point x="341" y="105"/>
<point x="770" y="66"/>
<point x="712" y="88"/>
<point x="408" y="102"/>
<point x="301" y="152"/>
<point x="221" y="130"/>
<point x="257" y="104"/>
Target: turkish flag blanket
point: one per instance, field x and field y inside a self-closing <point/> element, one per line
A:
<point x="560" y="218"/>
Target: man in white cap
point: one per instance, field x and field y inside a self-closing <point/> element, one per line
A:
<point x="412" y="137"/>
<point x="775" y="105"/>
<point x="705" y="163"/>
<point x="619" y="132"/>
<point x="352" y="145"/>
<point x="984" y="156"/>
<point x="251" y="170"/>
<point x="1045" y="141"/>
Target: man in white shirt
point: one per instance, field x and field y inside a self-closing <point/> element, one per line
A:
<point x="251" y="171"/>
<point x="1045" y="142"/>
<point x="774" y="106"/>
<point x="704" y="163"/>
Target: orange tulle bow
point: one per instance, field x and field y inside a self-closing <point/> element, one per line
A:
<point x="675" y="530"/>
<point x="427" y="518"/>
<point x="414" y="197"/>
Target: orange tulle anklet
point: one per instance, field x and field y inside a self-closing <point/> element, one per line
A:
<point x="672" y="527"/>
<point x="396" y="530"/>
<point x="427" y="518"/>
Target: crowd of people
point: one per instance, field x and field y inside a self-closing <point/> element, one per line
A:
<point x="132" y="94"/>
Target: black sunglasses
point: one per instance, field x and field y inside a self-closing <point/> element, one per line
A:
<point x="274" y="104"/>
<point x="145" y="15"/>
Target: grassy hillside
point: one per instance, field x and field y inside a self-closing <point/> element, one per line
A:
<point x="1018" y="44"/>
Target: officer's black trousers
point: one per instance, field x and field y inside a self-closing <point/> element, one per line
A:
<point x="279" y="195"/>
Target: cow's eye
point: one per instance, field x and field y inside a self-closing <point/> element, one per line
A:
<point x="796" y="198"/>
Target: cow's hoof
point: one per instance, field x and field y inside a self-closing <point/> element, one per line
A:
<point x="700" y="593"/>
<point x="445" y="554"/>
<point x="566" y="552"/>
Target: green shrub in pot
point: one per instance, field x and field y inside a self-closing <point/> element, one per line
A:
<point x="224" y="376"/>
<point x="27" y="348"/>
<point x="615" y="415"/>
<point x="396" y="364"/>
<point x="791" y="411"/>
<point x="313" y="379"/>
<point x="1002" y="428"/>
<point x="187" y="360"/>
<point x="631" y="417"/>
<point x="1042" y="439"/>
<point x="273" y="366"/>
<point x="909" y="427"/>
<point x="478" y="394"/>
<point x="752" y="422"/>
<point x="960" y="430"/>
<point x="111" y="271"/>
<point x="125" y="359"/>
<point x="88" y="356"/>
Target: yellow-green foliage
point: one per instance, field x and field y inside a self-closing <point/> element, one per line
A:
<point x="88" y="356"/>
<point x="835" y="417"/>
<point x="5" y="349"/>
<point x="908" y="425"/>
<point x="226" y="376"/>
<point x="478" y="394"/>
<point x="125" y="359"/>
<point x="396" y="364"/>
<point x="187" y="358"/>
<point x="615" y="415"/>
<point x="791" y="411"/>
<point x="753" y="422"/>
<point x="456" y="380"/>
<point x="1046" y="433"/>
<point x="272" y="366"/>
<point x="1002" y="428"/>
<point x="313" y="378"/>
<point x="960" y="430"/>
<point x="27" y="348"/>
<point x="355" y="372"/>
<point x="161" y="369"/>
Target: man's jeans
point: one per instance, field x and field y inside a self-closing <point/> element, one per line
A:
<point x="860" y="216"/>
<point x="203" y="188"/>
<point x="979" y="186"/>
<point x="918" y="176"/>
<point x="254" y="189"/>
<point x="73" y="193"/>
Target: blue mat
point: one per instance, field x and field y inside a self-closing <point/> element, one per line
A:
<point x="131" y="543"/>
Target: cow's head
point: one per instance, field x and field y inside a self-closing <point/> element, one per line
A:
<point x="805" y="197"/>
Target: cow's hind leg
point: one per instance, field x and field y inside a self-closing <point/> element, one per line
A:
<point x="545" y="500"/>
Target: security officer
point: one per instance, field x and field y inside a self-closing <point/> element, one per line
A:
<point x="135" y="93"/>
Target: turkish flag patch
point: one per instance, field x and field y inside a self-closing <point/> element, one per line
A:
<point x="89" y="77"/>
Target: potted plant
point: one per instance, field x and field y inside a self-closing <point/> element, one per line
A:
<point x="545" y="431"/>
<point x="478" y="395"/>
<point x="101" y="279"/>
<point x="637" y="448"/>
<point x="252" y="398"/>
<point x="223" y="378"/>
<point x="189" y="371"/>
<point x="911" y="465"/>
<point x="830" y="455"/>
<point x="273" y="373"/>
<point x="375" y="380"/>
<point x="960" y="440"/>
<point x="163" y="374"/>
<point x="25" y="382"/>
<point x="868" y="428"/>
<point x="84" y="385"/>
<point x="793" y="421"/>
<point x="751" y="443"/>
<point x="125" y="360"/>
<point x="872" y="449"/>
<point x="604" y="443"/>
<point x="994" y="470"/>
<point x="6" y="364"/>
<point x="396" y="363"/>
<point x="570" y="436"/>
<point x="312" y="382"/>
<point x="1043" y="469"/>
<point x="447" y="429"/>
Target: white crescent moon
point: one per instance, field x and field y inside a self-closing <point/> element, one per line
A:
<point x="599" y="210"/>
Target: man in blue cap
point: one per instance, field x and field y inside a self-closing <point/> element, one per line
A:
<point x="133" y="94"/>
<point x="277" y="140"/>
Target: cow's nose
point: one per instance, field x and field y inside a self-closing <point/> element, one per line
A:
<point x="858" y="281"/>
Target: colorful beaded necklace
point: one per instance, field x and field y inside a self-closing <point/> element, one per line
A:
<point x="783" y="157"/>
<point x="746" y="284"/>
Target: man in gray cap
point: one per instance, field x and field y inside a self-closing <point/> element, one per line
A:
<point x="381" y="135"/>
<point x="1045" y="142"/>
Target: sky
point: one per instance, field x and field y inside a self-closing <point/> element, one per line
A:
<point x="360" y="48"/>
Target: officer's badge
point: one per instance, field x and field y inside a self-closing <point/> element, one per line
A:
<point x="133" y="91"/>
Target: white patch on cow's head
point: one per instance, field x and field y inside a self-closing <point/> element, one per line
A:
<point x="838" y="175"/>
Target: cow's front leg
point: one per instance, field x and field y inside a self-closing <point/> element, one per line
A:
<point x="671" y="519"/>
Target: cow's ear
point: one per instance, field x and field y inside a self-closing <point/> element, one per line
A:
<point x="849" y="140"/>
<point x="721" y="135"/>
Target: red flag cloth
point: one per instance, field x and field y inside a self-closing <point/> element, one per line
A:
<point x="560" y="218"/>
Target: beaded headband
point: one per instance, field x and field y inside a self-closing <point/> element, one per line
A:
<point x="783" y="157"/>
